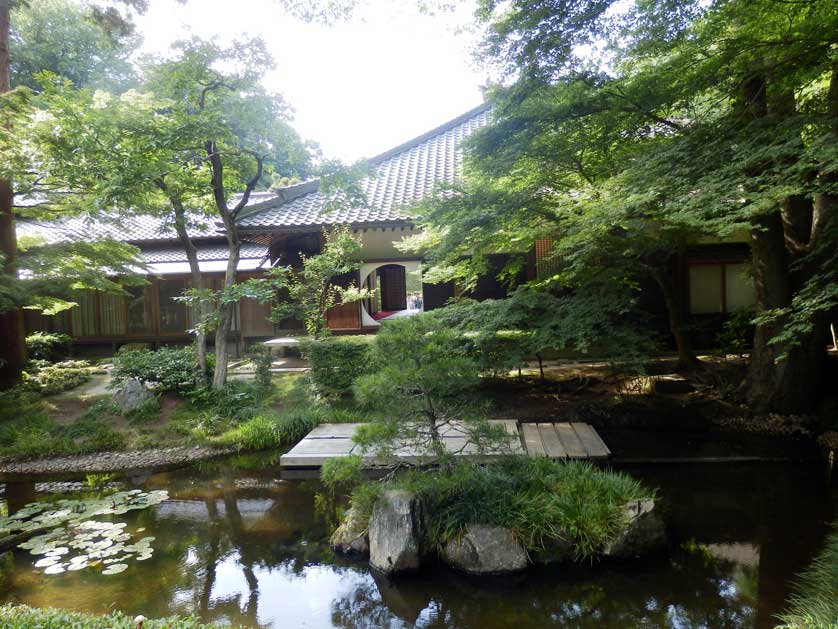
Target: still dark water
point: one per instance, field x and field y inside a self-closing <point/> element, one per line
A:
<point x="236" y="543"/>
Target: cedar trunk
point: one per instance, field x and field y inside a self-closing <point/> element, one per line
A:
<point x="226" y="309"/>
<point x="197" y="308"/>
<point x="12" y="335"/>
<point x="687" y="360"/>
<point x="791" y="384"/>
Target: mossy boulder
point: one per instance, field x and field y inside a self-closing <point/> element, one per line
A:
<point x="643" y="533"/>
<point x="396" y="533"/>
<point x="350" y="538"/>
<point x="484" y="549"/>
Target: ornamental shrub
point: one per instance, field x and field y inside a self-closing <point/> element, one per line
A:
<point x="50" y="379"/>
<point x="168" y="368"/>
<point x="336" y="363"/>
<point x="46" y="346"/>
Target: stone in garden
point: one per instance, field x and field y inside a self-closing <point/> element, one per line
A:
<point x="350" y="538"/>
<point x="485" y="549"/>
<point x="396" y="532"/>
<point x="643" y="533"/>
<point x="132" y="395"/>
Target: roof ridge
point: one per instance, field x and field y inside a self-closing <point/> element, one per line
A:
<point x="282" y="195"/>
<point x="446" y="126"/>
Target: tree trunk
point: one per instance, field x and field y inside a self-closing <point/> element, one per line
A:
<point x="796" y="228"/>
<point x="198" y="310"/>
<point x="687" y="360"/>
<point x="226" y="309"/>
<point x="788" y="385"/>
<point x="13" y="345"/>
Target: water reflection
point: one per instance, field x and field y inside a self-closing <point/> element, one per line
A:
<point x="246" y="548"/>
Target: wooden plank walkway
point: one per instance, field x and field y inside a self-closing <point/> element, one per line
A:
<point x="561" y="440"/>
<point x="551" y="439"/>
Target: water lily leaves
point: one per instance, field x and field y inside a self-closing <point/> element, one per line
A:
<point x="115" y="568"/>
<point x="46" y="562"/>
<point x="74" y="540"/>
<point x="55" y="569"/>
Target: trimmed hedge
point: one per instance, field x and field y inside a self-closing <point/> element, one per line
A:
<point x="337" y="362"/>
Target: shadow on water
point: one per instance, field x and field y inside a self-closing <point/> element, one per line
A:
<point x="234" y="543"/>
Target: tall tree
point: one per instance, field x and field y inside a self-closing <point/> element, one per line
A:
<point x="627" y="131"/>
<point x="13" y="350"/>
<point x="189" y="148"/>
<point x="13" y="355"/>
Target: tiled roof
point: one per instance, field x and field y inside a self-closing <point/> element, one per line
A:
<point x="402" y="176"/>
<point x="205" y="253"/>
<point x="139" y="228"/>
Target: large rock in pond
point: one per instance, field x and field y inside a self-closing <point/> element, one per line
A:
<point x="484" y="549"/>
<point x="396" y="533"/>
<point x="132" y="395"/>
<point x="350" y="538"/>
<point x="643" y="533"/>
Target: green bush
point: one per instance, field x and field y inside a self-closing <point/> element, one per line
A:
<point x="168" y="368"/>
<point x="63" y="376"/>
<point x="46" y="346"/>
<point x="815" y="601"/>
<point x="23" y="617"/>
<point x="539" y="499"/>
<point x="336" y="363"/>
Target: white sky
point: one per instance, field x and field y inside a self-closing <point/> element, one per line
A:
<point x="357" y="88"/>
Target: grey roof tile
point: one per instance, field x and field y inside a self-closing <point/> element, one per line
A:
<point x="208" y="252"/>
<point x="403" y="176"/>
<point x="136" y="228"/>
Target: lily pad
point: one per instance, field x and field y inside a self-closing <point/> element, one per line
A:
<point x="115" y="568"/>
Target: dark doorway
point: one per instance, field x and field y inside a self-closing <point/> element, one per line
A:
<point x="393" y="285"/>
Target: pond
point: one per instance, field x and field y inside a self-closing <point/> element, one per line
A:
<point x="234" y="542"/>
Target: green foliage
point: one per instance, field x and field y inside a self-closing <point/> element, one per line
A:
<point x="46" y="346"/>
<point x="67" y="38"/>
<point x="307" y="293"/>
<point x="22" y="617"/>
<point x="58" y="377"/>
<point x="539" y="499"/>
<point x="814" y="603"/>
<point x="336" y="363"/>
<point x="168" y="368"/>
<point x="341" y="475"/>
<point x="421" y="381"/>
<point x="505" y="334"/>
<point x="263" y="360"/>
<point x="259" y="433"/>
<point x="627" y="132"/>
<point x="32" y="433"/>
<point x="737" y="332"/>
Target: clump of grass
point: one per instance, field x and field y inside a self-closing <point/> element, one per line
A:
<point x="815" y="601"/>
<point x="23" y="617"/>
<point x="537" y="498"/>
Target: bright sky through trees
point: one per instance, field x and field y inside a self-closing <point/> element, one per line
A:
<point x="357" y="88"/>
